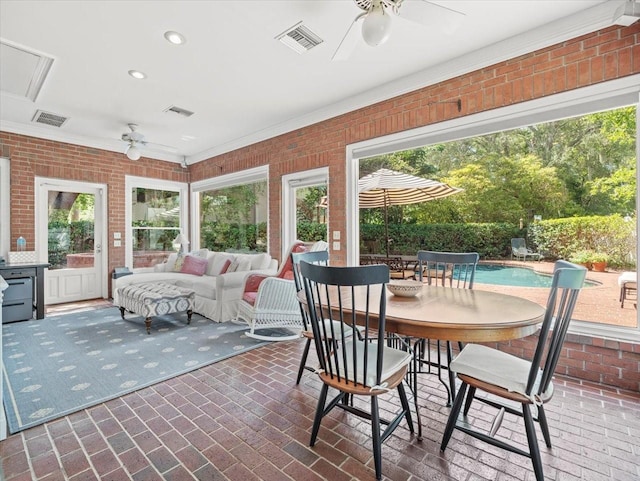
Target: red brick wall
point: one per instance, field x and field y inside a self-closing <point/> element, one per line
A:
<point x="32" y="157"/>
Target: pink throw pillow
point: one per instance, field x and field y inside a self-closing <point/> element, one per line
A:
<point x="225" y="266"/>
<point x="194" y="265"/>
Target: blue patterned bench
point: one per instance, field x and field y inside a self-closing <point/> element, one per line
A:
<point x="155" y="299"/>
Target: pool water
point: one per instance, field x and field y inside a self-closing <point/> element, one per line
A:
<point x="512" y="276"/>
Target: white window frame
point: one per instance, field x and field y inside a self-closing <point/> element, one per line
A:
<point x="604" y="96"/>
<point x="243" y="177"/>
<point x="290" y="183"/>
<point x="132" y="182"/>
<point x="5" y="211"/>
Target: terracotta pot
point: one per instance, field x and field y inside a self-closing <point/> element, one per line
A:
<point x="599" y="266"/>
<point x="585" y="264"/>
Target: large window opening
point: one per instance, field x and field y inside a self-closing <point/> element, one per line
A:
<point x="560" y="171"/>
<point x="231" y="212"/>
<point x="157" y="214"/>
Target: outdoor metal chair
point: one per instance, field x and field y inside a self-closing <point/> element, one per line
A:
<point x="519" y="250"/>
<point x="507" y="377"/>
<point x="355" y="367"/>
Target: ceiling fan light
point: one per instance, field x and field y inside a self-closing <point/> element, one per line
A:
<point x="133" y="153"/>
<point x="376" y="26"/>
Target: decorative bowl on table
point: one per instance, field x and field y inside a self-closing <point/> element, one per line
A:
<point x="404" y="288"/>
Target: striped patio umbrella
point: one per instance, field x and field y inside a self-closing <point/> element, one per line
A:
<point x="385" y="187"/>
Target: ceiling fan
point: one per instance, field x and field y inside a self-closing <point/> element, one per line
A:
<point x="375" y="23"/>
<point x="135" y="140"/>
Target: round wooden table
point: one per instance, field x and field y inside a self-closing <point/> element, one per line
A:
<point x="463" y="315"/>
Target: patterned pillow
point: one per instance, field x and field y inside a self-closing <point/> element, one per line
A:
<point x="194" y="265"/>
<point x="177" y="267"/>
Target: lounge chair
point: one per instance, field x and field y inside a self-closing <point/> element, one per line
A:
<point x="520" y="251"/>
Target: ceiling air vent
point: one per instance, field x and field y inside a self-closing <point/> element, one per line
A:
<point x="179" y="111"/>
<point x="299" y="38"/>
<point x="47" y="118"/>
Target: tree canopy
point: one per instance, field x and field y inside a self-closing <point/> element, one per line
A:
<point x="579" y="166"/>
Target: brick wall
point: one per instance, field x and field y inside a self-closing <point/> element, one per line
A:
<point x="590" y="59"/>
<point x="32" y="157"/>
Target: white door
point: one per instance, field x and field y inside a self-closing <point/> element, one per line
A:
<point x="71" y="235"/>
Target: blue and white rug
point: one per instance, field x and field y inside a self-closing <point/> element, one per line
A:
<point x="62" y="364"/>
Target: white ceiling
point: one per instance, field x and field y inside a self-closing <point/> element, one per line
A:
<point x="242" y="84"/>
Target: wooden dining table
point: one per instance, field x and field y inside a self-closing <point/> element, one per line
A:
<point x="449" y="314"/>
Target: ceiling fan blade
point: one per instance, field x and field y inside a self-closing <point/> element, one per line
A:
<point x="431" y="14"/>
<point x="162" y="147"/>
<point x="350" y="40"/>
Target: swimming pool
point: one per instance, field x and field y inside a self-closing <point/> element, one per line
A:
<point x="513" y="276"/>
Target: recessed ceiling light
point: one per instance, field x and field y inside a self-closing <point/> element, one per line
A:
<point x="137" y="74"/>
<point x="174" y="37"/>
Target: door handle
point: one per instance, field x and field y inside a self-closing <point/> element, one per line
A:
<point x="98" y="248"/>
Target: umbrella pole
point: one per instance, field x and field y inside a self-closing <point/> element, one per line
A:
<point x="386" y="226"/>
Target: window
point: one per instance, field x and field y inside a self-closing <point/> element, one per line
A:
<point x="304" y="207"/>
<point x="231" y="212"/>
<point x="606" y="96"/>
<point x="156" y="215"/>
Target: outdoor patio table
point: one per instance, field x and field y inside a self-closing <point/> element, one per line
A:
<point x="459" y="315"/>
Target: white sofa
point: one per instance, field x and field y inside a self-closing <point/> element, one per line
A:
<point x="216" y="295"/>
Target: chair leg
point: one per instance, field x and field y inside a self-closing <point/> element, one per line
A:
<point x="452" y="376"/>
<point x="303" y="361"/>
<point x="405" y="406"/>
<point x="544" y="427"/>
<point x="376" y="438"/>
<point x="533" y="442"/>
<point x="470" y="396"/>
<point x="319" y="412"/>
<point x="453" y="416"/>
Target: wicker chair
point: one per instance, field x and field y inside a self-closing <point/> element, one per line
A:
<point x="269" y="304"/>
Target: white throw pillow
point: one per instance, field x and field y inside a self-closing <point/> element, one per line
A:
<point x="260" y="261"/>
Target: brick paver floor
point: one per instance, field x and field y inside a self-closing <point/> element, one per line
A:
<point x="245" y="419"/>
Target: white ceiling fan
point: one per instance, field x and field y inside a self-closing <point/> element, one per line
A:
<point x="135" y="140"/>
<point x="375" y="23"/>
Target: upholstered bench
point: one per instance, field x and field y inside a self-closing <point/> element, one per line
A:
<point x="155" y="299"/>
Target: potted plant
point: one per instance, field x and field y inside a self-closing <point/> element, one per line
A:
<point x="599" y="261"/>
<point x="582" y="258"/>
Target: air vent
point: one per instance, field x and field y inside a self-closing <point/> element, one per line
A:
<point x="49" y="119"/>
<point x="179" y="111"/>
<point x="299" y="38"/>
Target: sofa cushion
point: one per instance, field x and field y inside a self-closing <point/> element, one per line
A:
<point x="194" y="265"/>
<point x="216" y="262"/>
<point x="260" y="261"/>
<point x="204" y="286"/>
<point x="250" y="297"/>
<point x="240" y="264"/>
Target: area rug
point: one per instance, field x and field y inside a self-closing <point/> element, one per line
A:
<point x="62" y="364"/>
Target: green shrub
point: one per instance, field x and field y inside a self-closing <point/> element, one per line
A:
<point x="611" y="235"/>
